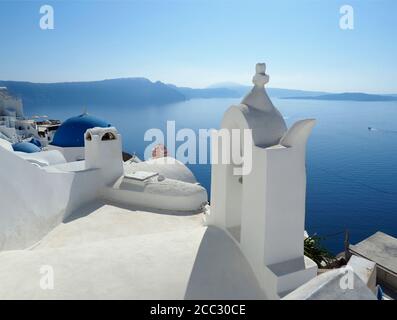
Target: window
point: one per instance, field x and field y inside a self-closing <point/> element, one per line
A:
<point x="108" y="136"/>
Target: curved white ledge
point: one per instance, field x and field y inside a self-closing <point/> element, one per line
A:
<point x="298" y="134"/>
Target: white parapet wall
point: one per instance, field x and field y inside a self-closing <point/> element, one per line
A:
<point x="35" y="197"/>
<point x="33" y="200"/>
<point x="365" y="269"/>
<point x="70" y="153"/>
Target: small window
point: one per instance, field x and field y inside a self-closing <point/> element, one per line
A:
<point x="88" y="136"/>
<point x="108" y="136"/>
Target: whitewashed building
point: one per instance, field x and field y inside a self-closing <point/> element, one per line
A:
<point x="14" y="127"/>
<point x="114" y="230"/>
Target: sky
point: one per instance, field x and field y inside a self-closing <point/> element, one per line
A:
<point x="197" y="43"/>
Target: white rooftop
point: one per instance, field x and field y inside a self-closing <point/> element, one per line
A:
<point x="380" y="248"/>
<point x="159" y="256"/>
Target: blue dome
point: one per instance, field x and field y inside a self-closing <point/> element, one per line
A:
<point x="35" y="142"/>
<point x="26" y="147"/>
<point x="71" y="132"/>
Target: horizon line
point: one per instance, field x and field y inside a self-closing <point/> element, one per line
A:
<point x="192" y="87"/>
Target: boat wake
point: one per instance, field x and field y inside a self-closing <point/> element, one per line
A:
<point x="382" y="130"/>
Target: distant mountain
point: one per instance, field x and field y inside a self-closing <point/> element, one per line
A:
<point x="138" y="92"/>
<point x="126" y="92"/>
<point x="114" y="92"/>
<point x="206" y="93"/>
<point x="272" y="92"/>
<point x="240" y="89"/>
<point x="283" y="93"/>
<point x="349" y="96"/>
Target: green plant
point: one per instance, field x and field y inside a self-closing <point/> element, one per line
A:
<point x="315" y="251"/>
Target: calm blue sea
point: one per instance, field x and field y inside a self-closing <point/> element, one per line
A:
<point x="352" y="171"/>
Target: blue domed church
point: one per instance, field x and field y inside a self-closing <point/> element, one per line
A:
<point x="69" y="138"/>
<point x="71" y="133"/>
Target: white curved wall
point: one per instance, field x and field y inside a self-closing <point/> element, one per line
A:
<point x="30" y="198"/>
<point x="6" y="145"/>
<point x="34" y="199"/>
<point x="43" y="159"/>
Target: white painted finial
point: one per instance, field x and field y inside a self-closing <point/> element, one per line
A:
<point x="257" y="97"/>
<point x="260" y="78"/>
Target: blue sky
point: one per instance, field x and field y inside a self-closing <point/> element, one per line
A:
<point x="197" y="43"/>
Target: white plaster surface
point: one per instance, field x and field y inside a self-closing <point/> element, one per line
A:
<point x="104" y="155"/>
<point x="116" y="253"/>
<point x="167" y="194"/>
<point x="6" y="145"/>
<point x="365" y="270"/>
<point x="43" y="159"/>
<point x="167" y="167"/>
<point x="327" y="286"/>
<point x="71" y="153"/>
<point x="31" y="204"/>
<point x="380" y="248"/>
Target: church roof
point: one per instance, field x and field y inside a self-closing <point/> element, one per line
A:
<point x="71" y="132"/>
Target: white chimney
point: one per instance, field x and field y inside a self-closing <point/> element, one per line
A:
<point x="103" y="150"/>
